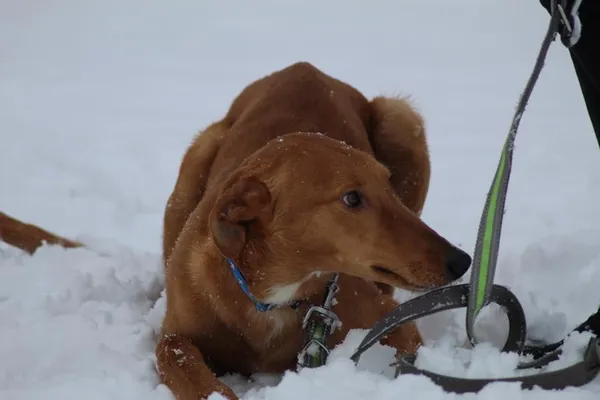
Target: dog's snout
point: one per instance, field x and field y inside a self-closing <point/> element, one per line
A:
<point x="457" y="263"/>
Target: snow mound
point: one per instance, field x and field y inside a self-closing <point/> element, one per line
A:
<point x="85" y="321"/>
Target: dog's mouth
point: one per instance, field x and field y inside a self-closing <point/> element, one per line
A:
<point x="401" y="281"/>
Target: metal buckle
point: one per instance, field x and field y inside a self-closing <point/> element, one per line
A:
<point x="310" y="343"/>
<point x="332" y="289"/>
<point x="329" y="322"/>
<point x="325" y="313"/>
<point x="571" y="23"/>
<point x="325" y="310"/>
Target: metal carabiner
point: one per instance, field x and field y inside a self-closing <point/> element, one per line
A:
<point x="570" y="30"/>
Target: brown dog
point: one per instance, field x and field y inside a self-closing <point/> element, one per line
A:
<point x="303" y="178"/>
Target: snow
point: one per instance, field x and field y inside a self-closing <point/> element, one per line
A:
<point x="98" y="101"/>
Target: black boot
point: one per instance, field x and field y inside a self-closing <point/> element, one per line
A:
<point x="592" y="325"/>
<point x="585" y="58"/>
<point x="587" y="68"/>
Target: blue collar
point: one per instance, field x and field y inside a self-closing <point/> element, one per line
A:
<point x="260" y="306"/>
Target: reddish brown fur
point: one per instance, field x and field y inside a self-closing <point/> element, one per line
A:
<point x="29" y="237"/>
<point x="258" y="187"/>
<point x="261" y="187"/>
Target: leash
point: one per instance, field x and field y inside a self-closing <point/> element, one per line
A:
<point x="453" y="297"/>
<point x="481" y="291"/>
<point x="490" y="225"/>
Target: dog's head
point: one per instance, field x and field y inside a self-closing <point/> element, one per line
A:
<point x="306" y="203"/>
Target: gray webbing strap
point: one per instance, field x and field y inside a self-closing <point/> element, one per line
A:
<point x="575" y="375"/>
<point x="443" y="299"/>
<point x="453" y="297"/>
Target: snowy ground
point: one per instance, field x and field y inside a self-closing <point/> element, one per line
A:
<point x="98" y="101"/>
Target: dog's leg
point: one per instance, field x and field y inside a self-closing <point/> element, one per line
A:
<point x="29" y="237"/>
<point x="182" y="368"/>
<point x="406" y="339"/>
<point x="361" y="306"/>
<point x="191" y="183"/>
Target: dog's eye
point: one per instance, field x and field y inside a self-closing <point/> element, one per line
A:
<point x="352" y="199"/>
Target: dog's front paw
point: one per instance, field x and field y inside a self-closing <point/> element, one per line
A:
<point x="406" y="339"/>
<point x="182" y="368"/>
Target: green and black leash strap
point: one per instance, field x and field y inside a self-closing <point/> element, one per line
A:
<point x="481" y="291"/>
<point x="490" y="225"/>
<point x="318" y="324"/>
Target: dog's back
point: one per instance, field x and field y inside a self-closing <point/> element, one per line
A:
<point x="299" y="98"/>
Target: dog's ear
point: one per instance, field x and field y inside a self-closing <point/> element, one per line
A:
<point x="244" y="205"/>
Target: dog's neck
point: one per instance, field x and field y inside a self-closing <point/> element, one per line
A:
<point x="274" y="285"/>
<point x="281" y="296"/>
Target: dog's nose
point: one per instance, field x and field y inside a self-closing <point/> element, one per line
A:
<point x="457" y="263"/>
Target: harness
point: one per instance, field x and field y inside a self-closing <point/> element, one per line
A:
<point x="481" y="290"/>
